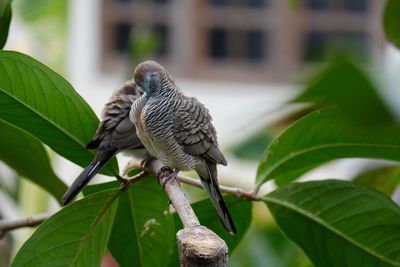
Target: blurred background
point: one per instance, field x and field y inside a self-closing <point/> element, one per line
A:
<point x="244" y="59"/>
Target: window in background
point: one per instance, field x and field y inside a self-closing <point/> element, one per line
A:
<point x="255" y="45"/>
<point x="219" y="2"/>
<point x="344" y="5"/>
<point x="122" y="35"/>
<point x="318" y="4"/>
<point x="161" y="1"/>
<point x="320" y="46"/>
<point x="239" y="3"/>
<point x="218" y="44"/>
<point x="356" y="5"/>
<point x="161" y="33"/>
<point x="256" y="3"/>
<point x="239" y="45"/>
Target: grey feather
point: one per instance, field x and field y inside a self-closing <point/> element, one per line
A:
<point x="178" y="130"/>
<point x="115" y="133"/>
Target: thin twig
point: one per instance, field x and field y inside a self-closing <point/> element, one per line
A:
<point x="235" y="191"/>
<point x="238" y="192"/>
<point x="32" y="221"/>
<point x="35" y="220"/>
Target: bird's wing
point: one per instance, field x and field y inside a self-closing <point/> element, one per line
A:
<point x="124" y="135"/>
<point x="116" y="131"/>
<point x="194" y="131"/>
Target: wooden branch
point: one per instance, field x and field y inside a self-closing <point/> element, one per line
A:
<point x="198" y="246"/>
<point x="176" y="196"/>
<point x="8" y="225"/>
<point x="32" y="221"/>
<point x="238" y="192"/>
<point x="235" y="191"/>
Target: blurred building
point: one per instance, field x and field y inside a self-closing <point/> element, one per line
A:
<point x="258" y="40"/>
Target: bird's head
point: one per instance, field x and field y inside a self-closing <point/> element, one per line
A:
<point x="147" y="76"/>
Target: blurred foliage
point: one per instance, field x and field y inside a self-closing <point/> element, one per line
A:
<point x="344" y="84"/>
<point x="265" y="245"/>
<point x="9" y="189"/>
<point x="329" y="46"/>
<point x="391" y="21"/>
<point x="322" y="136"/>
<point x="359" y="121"/>
<point x="9" y="182"/>
<point x="5" y="251"/>
<point x="253" y="147"/>
<point x="35" y="166"/>
<point x="143" y="44"/>
<point x="47" y="19"/>
<point x="292" y="4"/>
<point x="384" y="179"/>
<point x="5" y="20"/>
<point x="43" y="10"/>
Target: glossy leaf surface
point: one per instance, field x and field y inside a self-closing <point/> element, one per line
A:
<point x="338" y="223"/>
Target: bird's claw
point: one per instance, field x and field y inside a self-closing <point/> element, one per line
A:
<point x="166" y="175"/>
<point x="145" y="162"/>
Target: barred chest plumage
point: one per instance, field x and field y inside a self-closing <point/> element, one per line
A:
<point x="154" y="126"/>
<point x="141" y="130"/>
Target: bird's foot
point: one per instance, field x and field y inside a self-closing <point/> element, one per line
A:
<point x="167" y="175"/>
<point x="145" y="162"/>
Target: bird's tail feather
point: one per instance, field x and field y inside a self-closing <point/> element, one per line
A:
<point x="210" y="185"/>
<point x="84" y="178"/>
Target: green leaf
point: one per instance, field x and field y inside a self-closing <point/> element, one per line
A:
<point x="253" y="147"/>
<point x="241" y="214"/>
<point x="322" y="136"/>
<point x="265" y="245"/>
<point x="384" y="179"/>
<point x="391" y="21"/>
<point x="344" y="84"/>
<point x="75" y="236"/>
<point x="143" y="233"/>
<point x="27" y="156"/>
<point x="5" y="20"/>
<point x="38" y="100"/>
<point x="338" y="223"/>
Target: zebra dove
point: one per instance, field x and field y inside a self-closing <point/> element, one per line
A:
<point x="177" y="130"/>
<point x="115" y="133"/>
